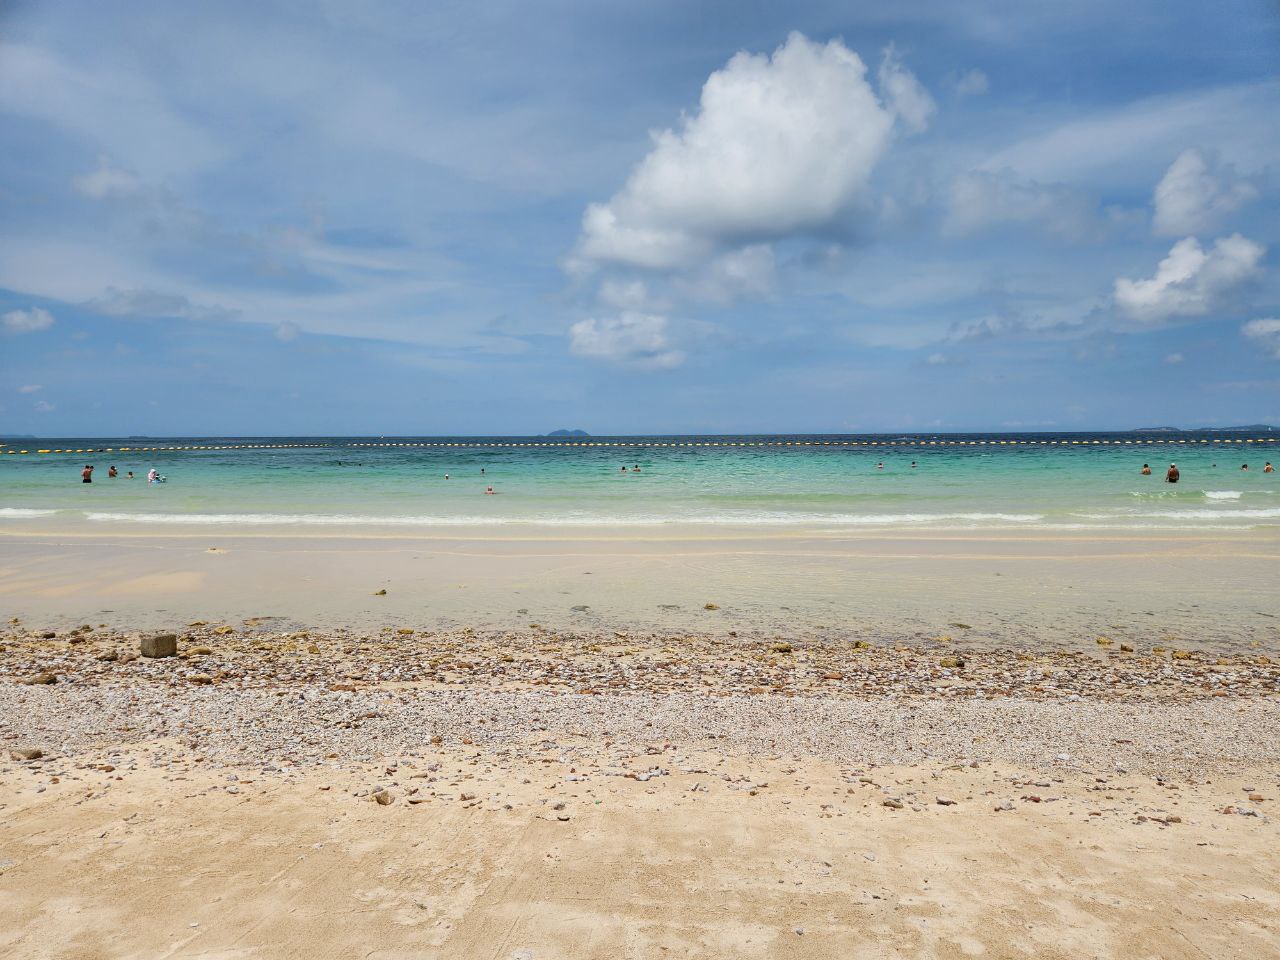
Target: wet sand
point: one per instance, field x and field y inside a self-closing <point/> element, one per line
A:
<point x="1013" y="589"/>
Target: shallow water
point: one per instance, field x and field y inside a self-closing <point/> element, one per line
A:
<point x="959" y="482"/>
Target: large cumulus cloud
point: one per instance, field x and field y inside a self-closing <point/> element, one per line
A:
<point x="779" y="145"/>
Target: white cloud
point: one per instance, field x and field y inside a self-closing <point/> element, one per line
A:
<point x="1173" y="359"/>
<point x="31" y="388"/>
<point x="1267" y="332"/>
<point x="624" y="295"/>
<point x="42" y="406"/>
<point x="141" y="302"/>
<point x="1195" y="196"/>
<point x="1011" y="325"/>
<point x="1105" y="144"/>
<point x="937" y="360"/>
<point x="637" y="339"/>
<point x="980" y="199"/>
<point x="27" y="321"/>
<point x="287" y="332"/>
<point x="107" y="181"/>
<point x="973" y="83"/>
<point x="903" y="93"/>
<point x="1191" y="281"/>
<point x="749" y="272"/>
<point x="780" y="145"/>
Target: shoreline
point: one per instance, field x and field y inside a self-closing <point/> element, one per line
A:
<point x="1208" y="593"/>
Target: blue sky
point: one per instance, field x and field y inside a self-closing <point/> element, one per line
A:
<point x="275" y="218"/>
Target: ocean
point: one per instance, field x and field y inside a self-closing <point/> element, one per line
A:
<point x="801" y="482"/>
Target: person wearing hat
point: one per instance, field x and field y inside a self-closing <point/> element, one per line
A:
<point x="1172" y="475"/>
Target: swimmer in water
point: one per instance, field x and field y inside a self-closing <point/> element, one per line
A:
<point x="913" y="464"/>
<point x="129" y="475"/>
<point x="1268" y="468"/>
<point x="1172" y="475"/>
<point x="489" y="491"/>
<point x="880" y="465"/>
<point x="1146" y="469"/>
<point x="636" y="468"/>
<point x="1244" y="466"/>
<point x="446" y="476"/>
<point x="111" y="472"/>
<point x="86" y="475"/>
<point x="153" y="475"/>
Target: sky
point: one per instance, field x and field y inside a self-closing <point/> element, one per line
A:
<point x="654" y="217"/>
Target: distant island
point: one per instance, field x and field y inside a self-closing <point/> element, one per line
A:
<point x="1247" y="428"/>
<point x="568" y="433"/>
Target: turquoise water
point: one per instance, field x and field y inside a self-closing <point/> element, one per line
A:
<point x="810" y="483"/>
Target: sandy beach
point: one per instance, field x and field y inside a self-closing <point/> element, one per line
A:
<point x="549" y="793"/>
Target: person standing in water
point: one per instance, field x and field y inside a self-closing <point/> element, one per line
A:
<point x="1268" y="468"/>
<point x="86" y="475"/>
<point x="1146" y="469"/>
<point x="112" y="472"/>
<point x="1172" y="475"/>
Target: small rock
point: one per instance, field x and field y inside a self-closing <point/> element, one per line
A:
<point x="42" y="679"/>
<point x="26" y="753"/>
<point x="782" y="647"/>
<point x="945" y="802"/>
<point x="1006" y="805"/>
<point x="380" y="593"/>
<point x="160" y="645"/>
<point x="711" y="606"/>
<point x="382" y="797"/>
<point x="893" y="804"/>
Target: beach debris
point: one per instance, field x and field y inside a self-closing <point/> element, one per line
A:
<point x="159" y="645"/>
<point x="711" y="606"/>
<point x="380" y="593"/>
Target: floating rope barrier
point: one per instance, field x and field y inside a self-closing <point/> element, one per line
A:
<point x="646" y="444"/>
